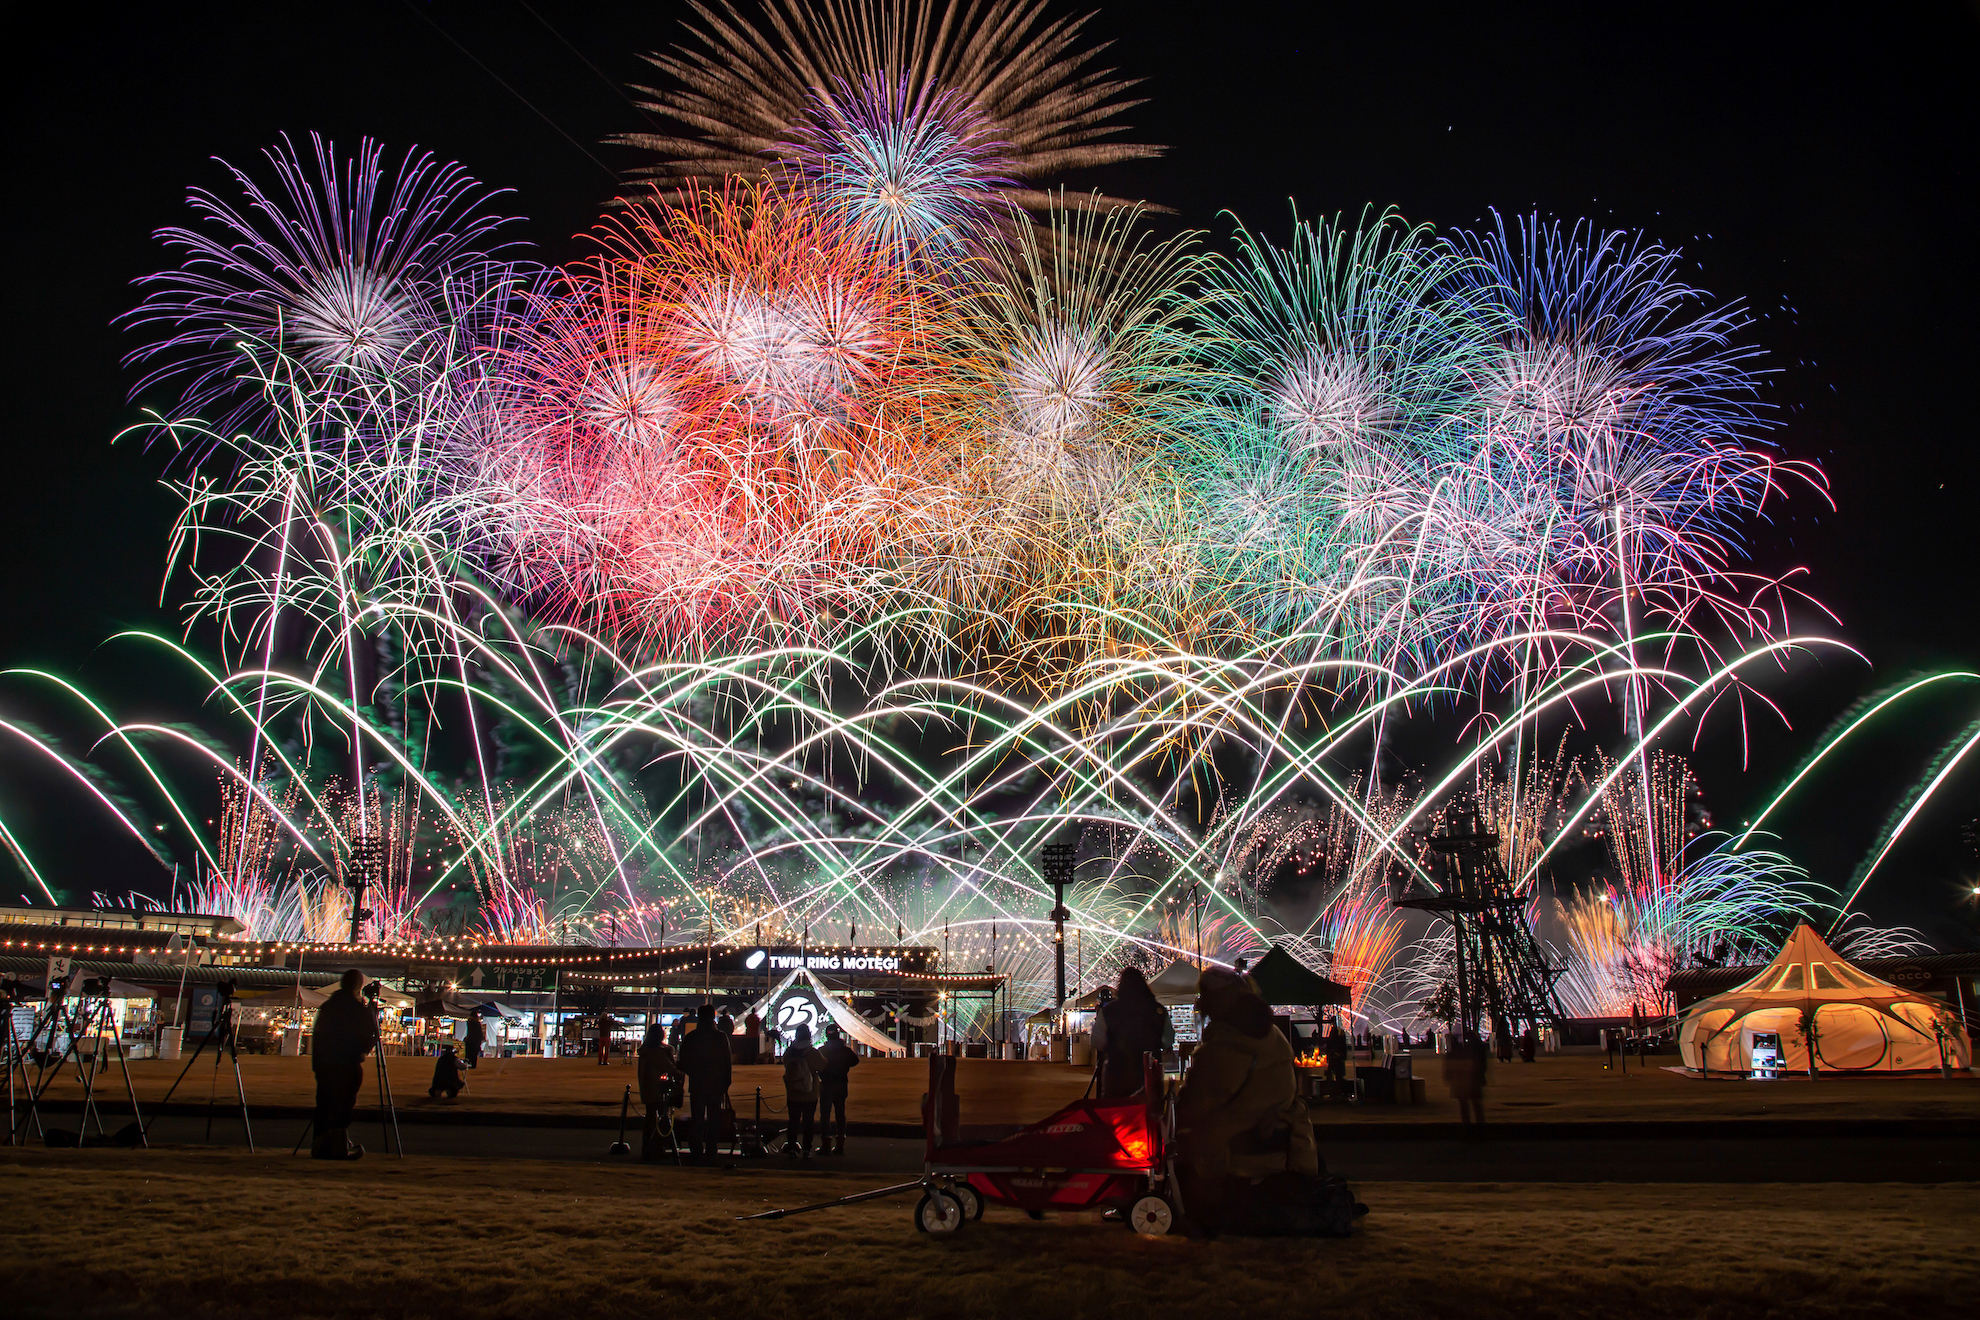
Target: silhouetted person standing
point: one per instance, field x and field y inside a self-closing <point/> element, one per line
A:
<point x="656" y="1087"/>
<point x="344" y="1032"/>
<point x="1337" y="1052"/>
<point x="477" y="1036"/>
<point x="833" y="1084"/>
<point x="1464" y="1074"/>
<point x="802" y="1066"/>
<point x="1128" y="1026"/>
<point x="704" y="1057"/>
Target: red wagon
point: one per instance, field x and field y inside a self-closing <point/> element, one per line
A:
<point x="1091" y="1155"/>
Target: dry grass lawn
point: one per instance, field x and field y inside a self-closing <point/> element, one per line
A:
<point x="215" y="1234"/>
<point x="1557" y="1088"/>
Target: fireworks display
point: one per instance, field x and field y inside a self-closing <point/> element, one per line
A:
<point x="857" y="515"/>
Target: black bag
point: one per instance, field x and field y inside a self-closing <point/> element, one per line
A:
<point x="1292" y="1205"/>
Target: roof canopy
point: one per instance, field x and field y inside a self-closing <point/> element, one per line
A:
<point x="1283" y="981"/>
<point x="1176" y="983"/>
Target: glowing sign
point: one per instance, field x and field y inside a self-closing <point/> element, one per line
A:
<point x="829" y="962"/>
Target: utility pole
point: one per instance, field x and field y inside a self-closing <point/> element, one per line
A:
<point x="1057" y="865"/>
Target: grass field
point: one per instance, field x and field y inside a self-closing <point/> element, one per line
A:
<point x="214" y="1234"/>
<point x="1557" y="1088"/>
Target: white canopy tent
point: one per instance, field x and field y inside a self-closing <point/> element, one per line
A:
<point x="855" y="1027"/>
<point x="1861" y="1024"/>
<point x="1177" y="983"/>
<point x="311" y="996"/>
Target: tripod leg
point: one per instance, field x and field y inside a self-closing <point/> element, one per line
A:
<point x="297" y="1149"/>
<point x="240" y="1089"/>
<point x="391" y="1110"/>
<point x="212" y="1092"/>
<point x="130" y="1089"/>
<point x="95" y="1020"/>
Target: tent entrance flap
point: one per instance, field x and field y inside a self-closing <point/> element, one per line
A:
<point x="852" y="1024"/>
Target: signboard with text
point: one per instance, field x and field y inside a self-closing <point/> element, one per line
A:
<point x="485" y="976"/>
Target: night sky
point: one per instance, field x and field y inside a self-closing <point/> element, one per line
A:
<point x="1822" y="172"/>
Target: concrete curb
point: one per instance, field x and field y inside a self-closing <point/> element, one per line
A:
<point x="1517" y="1130"/>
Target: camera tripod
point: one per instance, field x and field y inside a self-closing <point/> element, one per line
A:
<point x="388" y="1111"/>
<point x="12" y="994"/>
<point x="88" y="1015"/>
<point x="221" y="1036"/>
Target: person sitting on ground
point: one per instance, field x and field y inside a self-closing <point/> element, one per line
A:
<point x="659" y="1087"/>
<point x="704" y="1057"/>
<point x="447" y="1079"/>
<point x="344" y="1032"/>
<point x="833" y="1084"/>
<point x="1239" y="1118"/>
<point x="1128" y="1026"/>
<point x="802" y="1067"/>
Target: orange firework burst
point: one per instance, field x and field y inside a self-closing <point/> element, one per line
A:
<point x="732" y="408"/>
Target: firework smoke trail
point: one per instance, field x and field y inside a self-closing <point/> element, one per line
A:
<point x="1844" y="726"/>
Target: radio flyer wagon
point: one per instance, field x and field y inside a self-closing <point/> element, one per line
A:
<point x="1090" y="1155"/>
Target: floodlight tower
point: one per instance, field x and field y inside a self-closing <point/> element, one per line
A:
<point x="1057" y="866"/>
<point x="362" y="870"/>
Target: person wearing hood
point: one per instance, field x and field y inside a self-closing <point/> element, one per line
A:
<point x="1239" y="1118"/>
<point x="1131" y="1024"/>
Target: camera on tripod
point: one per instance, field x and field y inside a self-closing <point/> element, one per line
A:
<point x="371" y="991"/>
<point x="225" y="990"/>
<point x="13" y="991"/>
<point x="98" y="986"/>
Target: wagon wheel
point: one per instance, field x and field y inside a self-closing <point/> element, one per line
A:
<point x="1152" y="1216"/>
<point x="939" y="1213"/>
<point x="972" y="1200"/>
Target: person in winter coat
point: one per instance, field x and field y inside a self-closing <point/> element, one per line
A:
<point x="658" y="1087"/>
<point x="447" y="1079"/>
<point x="753" y="1033"/>
<point x="1336" y="1052"/>
<point x="704" y="1057"/>
<point x="1238" y="1115"/>
<point x="1464" y="1074"/>
<point x="833" y="1084"/>
<point x="344" y="1032"/>
<point x="802" y="1067"/>
<point x="1128" y="1026"/>
<point x="477" y="1036"/>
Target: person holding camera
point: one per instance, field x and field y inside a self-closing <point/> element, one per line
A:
<point x="346" y="1030"/>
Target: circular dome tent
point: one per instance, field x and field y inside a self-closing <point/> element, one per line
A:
<point x="1861" y="1024"/>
